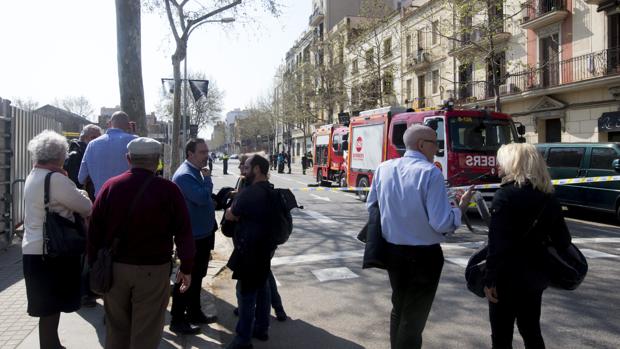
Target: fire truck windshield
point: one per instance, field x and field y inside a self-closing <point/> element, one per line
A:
<point x="468" y="134"/>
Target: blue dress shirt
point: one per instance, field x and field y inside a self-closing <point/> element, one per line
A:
<point x="197" y="192"/>
<point x="413" y="201"/>
<point x="104" y="157"/>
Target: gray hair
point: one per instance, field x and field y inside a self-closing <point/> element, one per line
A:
<point x="415" y="133"/>
<point x="90" y="130"/>
<point x="48" y="146"/>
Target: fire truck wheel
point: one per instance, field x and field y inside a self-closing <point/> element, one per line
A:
<point x="319" y="176"/>
<point x="362" y="194"/>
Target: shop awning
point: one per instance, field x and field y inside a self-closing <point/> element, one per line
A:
<point x="609" y="122"/>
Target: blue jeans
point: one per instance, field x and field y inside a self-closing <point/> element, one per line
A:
<point x="254" y="309"/>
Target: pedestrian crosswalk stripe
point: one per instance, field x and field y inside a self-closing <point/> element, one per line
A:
<point x="330" y="274"/>
<point x="595" y="240"/>
<point x="309" y="258"/>
<point x="596" y="254"/>
<point x="320" y="217"/>
<point x="460" y="261"/>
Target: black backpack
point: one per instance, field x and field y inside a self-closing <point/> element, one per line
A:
<point x="283" y="201"/>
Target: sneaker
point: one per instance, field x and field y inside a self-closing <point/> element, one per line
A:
<point x="200" y="318"/>
<point x="183" y="327"/>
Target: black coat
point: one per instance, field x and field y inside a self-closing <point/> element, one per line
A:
<point x="516" y="261"/>
<point x="74" y="160"/>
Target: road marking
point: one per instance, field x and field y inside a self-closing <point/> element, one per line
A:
<point x="320" y="197"/>
<point x="596" y="254"/>
<point x="277" y="281"/>
<point x="330" y="274"/>
<point x="460" y="261"/>
<point x="319" y="217"/>
<point x="595" y="240"/>
<point x="309" y="258"/>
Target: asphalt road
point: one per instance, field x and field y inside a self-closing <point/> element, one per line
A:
<point x="333" y="303"/>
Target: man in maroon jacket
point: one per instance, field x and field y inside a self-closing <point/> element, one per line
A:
<point x="146" y="213"/>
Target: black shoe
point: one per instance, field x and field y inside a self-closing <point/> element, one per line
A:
<point x="281" y="315"/>
<point x="261" y="336"/>
<point x="183" y="327"/>
<point x="200" y="318"/>
<point x="236" y="311"/>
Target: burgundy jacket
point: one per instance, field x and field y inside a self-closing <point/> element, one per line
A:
<point x="158" y="217"/>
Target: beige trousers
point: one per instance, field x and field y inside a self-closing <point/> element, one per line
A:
<point x="135" y="306"/>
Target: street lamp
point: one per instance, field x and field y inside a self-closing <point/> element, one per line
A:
<point x="186" y="104"/>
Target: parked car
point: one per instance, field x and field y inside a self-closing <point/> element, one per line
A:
<point x="234" y="156"/>
<point x="578" y="160"/>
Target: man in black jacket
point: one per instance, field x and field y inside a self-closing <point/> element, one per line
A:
<point x="253" y="248"/>
<point x="77" y="149"/>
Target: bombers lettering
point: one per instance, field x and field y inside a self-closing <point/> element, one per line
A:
<point x="480" y="161"/>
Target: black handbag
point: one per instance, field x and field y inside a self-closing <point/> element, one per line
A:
<point x="376" y="249"/>
<point x="567" y="267"/>
<point x="61" y="236"/>
<point x="101" y="272"/>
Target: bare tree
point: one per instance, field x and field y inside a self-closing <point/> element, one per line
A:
<point x="129" y="60"/>
<point x="76" y="105"/>
<point x="27" y="104"/>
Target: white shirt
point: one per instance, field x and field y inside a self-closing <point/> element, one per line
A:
<point x="413" y="201"/>
<point x="65" y="198"/>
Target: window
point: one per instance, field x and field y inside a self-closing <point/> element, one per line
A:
<point x="370" y="57"/>
<point x="435" y="26"/>
<point x="565" y="157"/>
<point x="354" y="66"/>
<point x="387" y="47"/>
<point x="408" y="91"/>
<point x="355" y="96"/>
<point x="420" y="39"/>
<point x="388" y="82"/>
<point x="408" y="45"/>
<point x="435" y="76"/>
<point x="602" y="158"/>
<point x="398" y="131"/>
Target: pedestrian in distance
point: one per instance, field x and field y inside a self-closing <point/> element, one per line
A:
<point x="304" y="163"/>
<point x="144" y="215"/>
<point x="104" y="157"/>
<point x="253" y="249"/>
<point x="280" y="161"/>
<point x="287" y="156"/>
<point x="415" y="217"/>
<point x="225" y="163"/>
<point x="52" y="283"/>
<point x="194" y="180"/>
<point x="524" y="214"/>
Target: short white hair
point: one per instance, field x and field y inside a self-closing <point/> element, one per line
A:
<point x="415" y="133"/>
<point x="89" y="130"/>
<point x="48" y="146"/>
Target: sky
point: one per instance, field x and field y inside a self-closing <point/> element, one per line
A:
<point x="53" y="49"/>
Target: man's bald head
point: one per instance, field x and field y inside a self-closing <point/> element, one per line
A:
<point x="120" y="119"/>
<point x="415" y="133"/>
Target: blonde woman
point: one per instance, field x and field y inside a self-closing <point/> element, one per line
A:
<point x="52" y="283"/>
<point x="523" y="215"/>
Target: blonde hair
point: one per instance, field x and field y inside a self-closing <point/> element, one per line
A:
<point x="522" y="163"/>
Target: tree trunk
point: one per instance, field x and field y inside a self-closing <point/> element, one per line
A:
<point x="176" y="115"/>
<point x="129" y="59"/>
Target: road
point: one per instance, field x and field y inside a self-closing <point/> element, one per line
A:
<point x="333" y="303"/>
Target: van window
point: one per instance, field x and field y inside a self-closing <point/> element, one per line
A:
<point x="565" y="157"/>
<point x="602" y="158"/>
<point x="398" y="130"/>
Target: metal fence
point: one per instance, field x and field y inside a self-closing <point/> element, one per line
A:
<point x="22" y="127"/>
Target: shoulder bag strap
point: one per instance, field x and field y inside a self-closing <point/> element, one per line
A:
<point x="46" y="203"/>
<point x="535" y="222"/>
<point x="136" y="198"/>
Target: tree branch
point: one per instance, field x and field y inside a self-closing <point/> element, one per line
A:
<point x="198" y="21"/>
<point x="173" y="26"/>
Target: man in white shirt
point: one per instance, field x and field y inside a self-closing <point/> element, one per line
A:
<point x="415" y="217"/>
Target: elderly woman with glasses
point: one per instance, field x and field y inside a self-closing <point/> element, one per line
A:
<point x="52" y="283"/>
<point x="524" y="213"/>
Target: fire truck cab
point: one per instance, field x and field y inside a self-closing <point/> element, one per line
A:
<point x="330" y="148"/>
<point x="467" y="142"/>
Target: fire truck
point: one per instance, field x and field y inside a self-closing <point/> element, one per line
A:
<point x="467" y="142"/>
<point x="330" y="147"/>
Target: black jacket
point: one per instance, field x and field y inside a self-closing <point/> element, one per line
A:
<point x="74" y="159"/>
<point x="515" y="260"/>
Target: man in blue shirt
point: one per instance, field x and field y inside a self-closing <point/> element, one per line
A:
<point x="104" y="157"/>
<point x="195" y="183"/>
<point x="415" y="216"/>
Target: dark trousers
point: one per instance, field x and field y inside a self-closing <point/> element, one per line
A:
<point x="225" y="165"/>
<point x="188" y="303"/>
<point x="521" y="306"/>
<point x="254" y="309"/>
<point x="414" y="278"/>
<point x="276" y="300"/>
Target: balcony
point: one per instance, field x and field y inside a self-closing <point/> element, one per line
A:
<point x="541" y="13"/>
<point x="419" y="62"/>
<point x="316" y="17"/>
<point x="589" y="67"/>
<point x="472" y="42"/>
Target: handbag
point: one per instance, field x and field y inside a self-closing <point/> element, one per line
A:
<point x="477" y="263"/>
<point x="567" y="267"/>
<point x="101" y="272"/>
<point x="61" y="236"/>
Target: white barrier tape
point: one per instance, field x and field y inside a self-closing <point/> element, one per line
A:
<point x="564" y="181"/>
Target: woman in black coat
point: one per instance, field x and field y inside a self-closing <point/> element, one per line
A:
<point x="524" y="214"/>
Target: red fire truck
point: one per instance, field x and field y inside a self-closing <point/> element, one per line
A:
<point x="330" y="145"/>
<point x="468" y="141"/>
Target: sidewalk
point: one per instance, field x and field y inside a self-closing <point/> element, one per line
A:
<point x="85" y="328"/>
